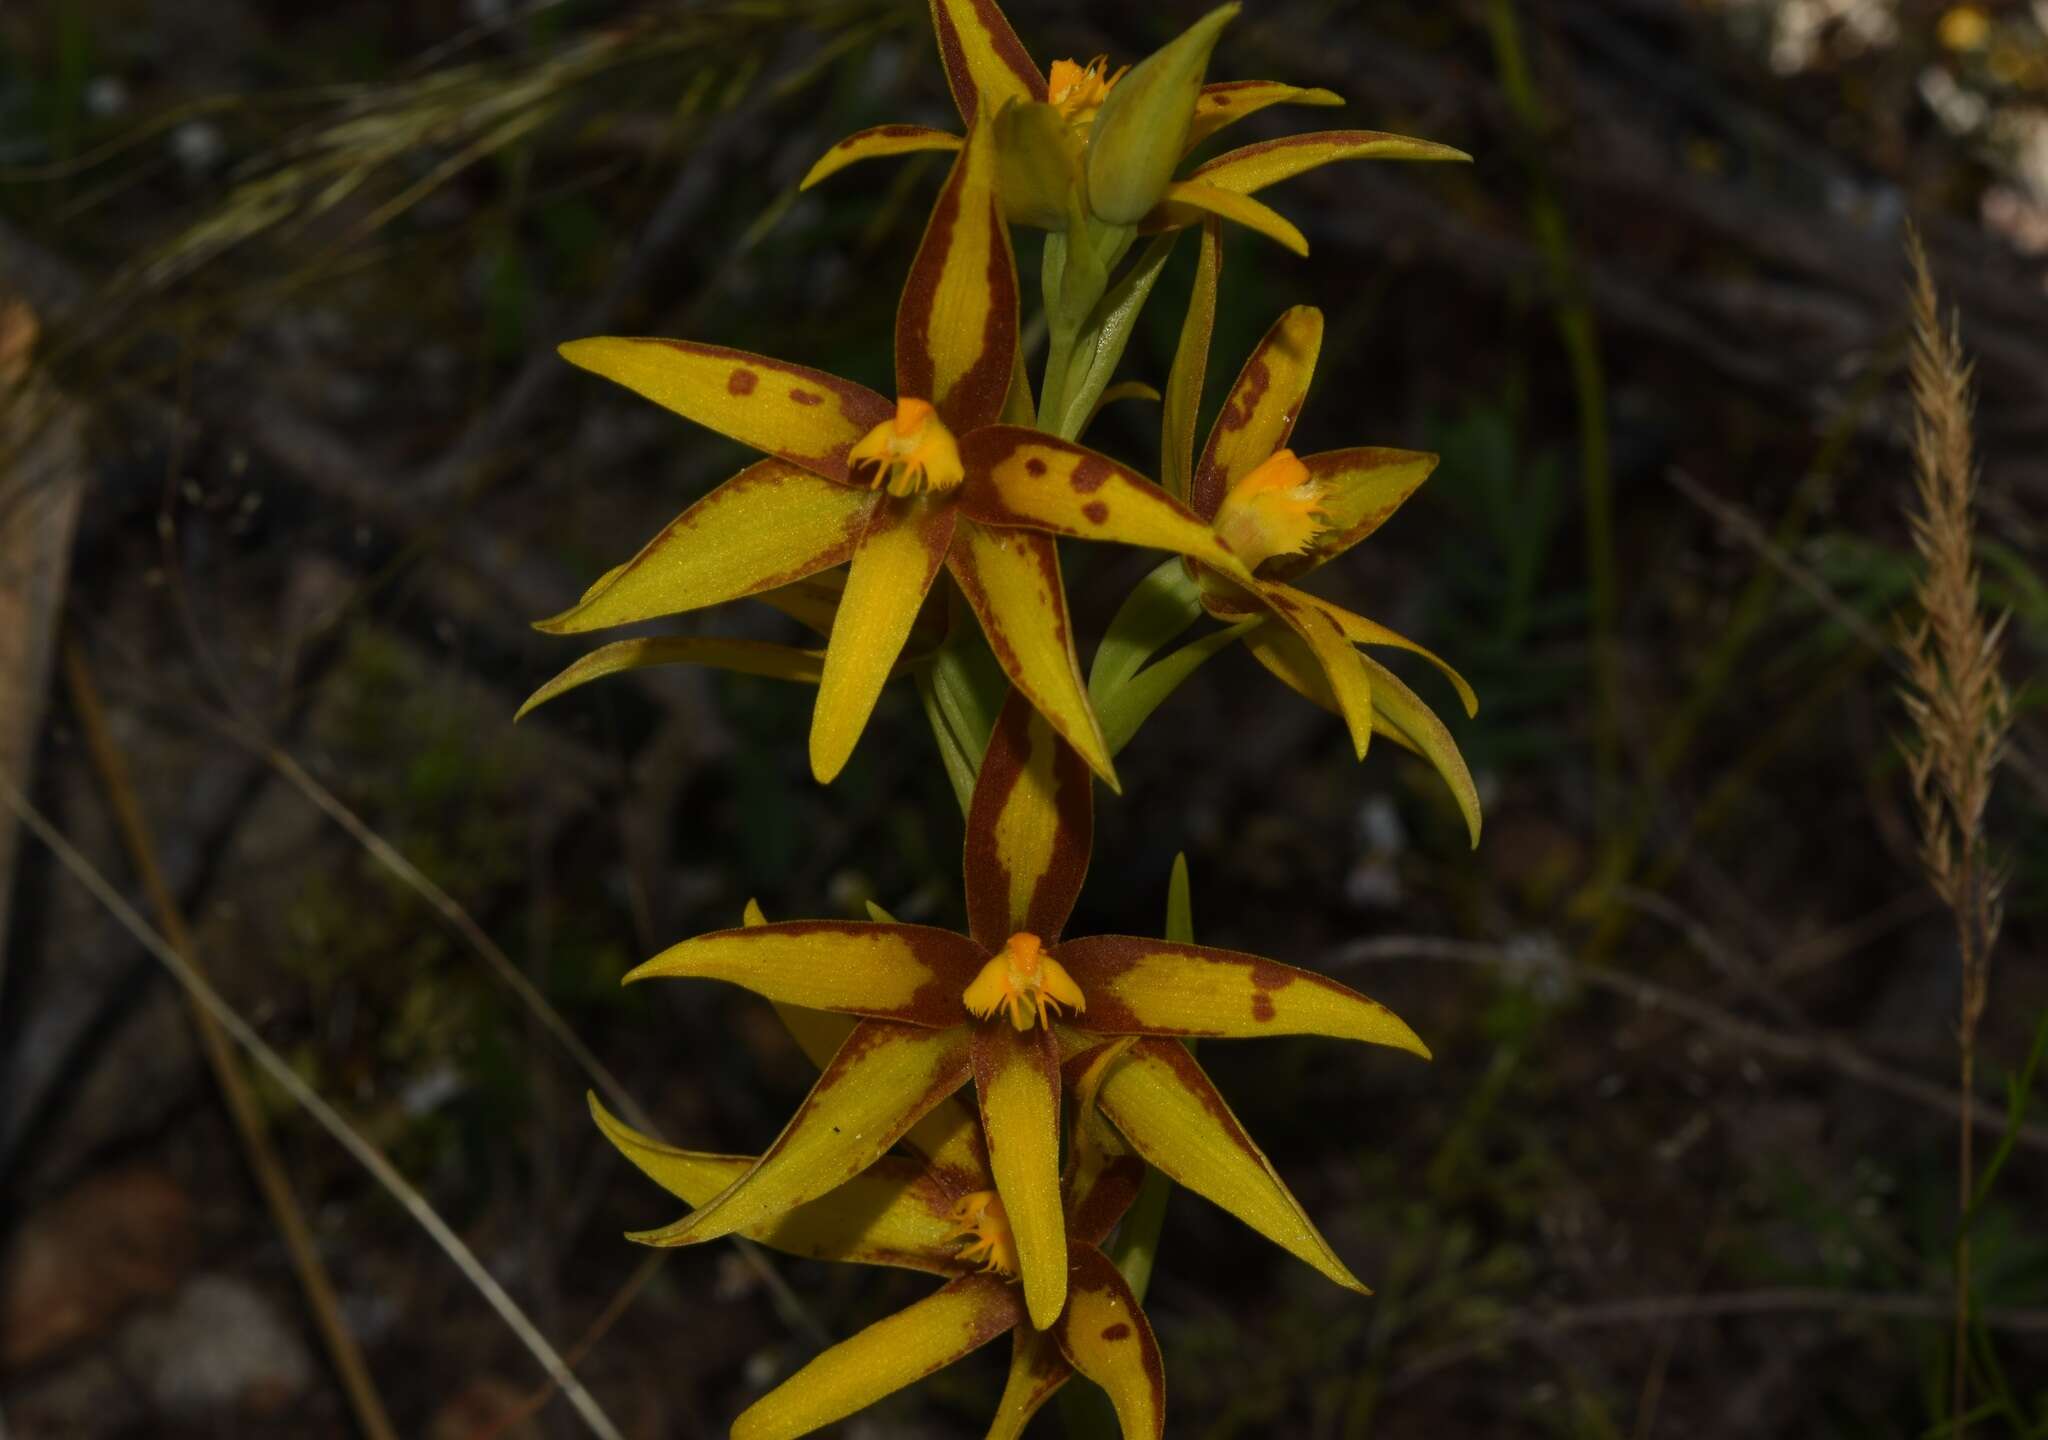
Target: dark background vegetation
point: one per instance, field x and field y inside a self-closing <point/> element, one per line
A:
<point x="1684" y="1162"/>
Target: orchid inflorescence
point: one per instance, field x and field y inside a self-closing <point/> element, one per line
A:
<point x="1076" y="1051"/>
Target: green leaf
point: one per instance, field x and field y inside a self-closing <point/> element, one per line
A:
<point x="1127" y="709"/>
<point x="1100" y="346"/>
<point x="1157" y="610"/>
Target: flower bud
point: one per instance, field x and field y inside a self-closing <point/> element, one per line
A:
<point x="1038" y="160"/>
<point x="1142" y="130"/>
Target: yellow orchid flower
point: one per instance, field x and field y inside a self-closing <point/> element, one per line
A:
<point x="991" y="73"/>
<point x="941" y="1214"/>
<point x="900" y="489"/>
<point x="1284" y="515"/>
<point x="927" y="1010"/>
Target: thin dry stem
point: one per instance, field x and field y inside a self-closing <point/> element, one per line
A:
<point x="242" y="1108"/>
<point x="280" y="1071"/>
<point x="1960" y="713"/>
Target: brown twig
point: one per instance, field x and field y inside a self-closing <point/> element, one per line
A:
<point x="614" y="1311"/>
<point x="1960" y="713"/>
<point x="281" y="1072"/>
<point x="264" y="1164"/>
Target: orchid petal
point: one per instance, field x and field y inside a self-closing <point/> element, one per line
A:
<point x="812" y="601"/>
<point x="1017" y="1076"/>
<point x="1410" y="723"/>
<point x="1023" y="478"/>
<point x="882" y="1080"/>
<point x="893" y="1352"/>
<point x="956" y="326"/>
<point x="1037" y="1370"/>
<point x="1106" y="1337"/>
<point x="1171" y="1114"/>
<point x="893" y="567"/>
<point x="1030" y="826"/>
<point x="802" y="415"/>
<point x="1011" y="578"/>
<point x="893" y="1213"/>
<point x="875" y="142"/>
<point x="986" y="64"/>
<point x="1361" y="631"/>
<point x="1155" y="987"/>
<point x="769" y="525"/>
<point x="1103" y="1175"/>
<point x="1264" y="402"/>
<point x="947" y="1137"/>
<point x="1187" y="201"/>
<point x="1254" y="167"/>
<point x="1399" y="712"/>
<point x="1229" y="101"/>
<point x="742" y="657"/>
<point x="1343" y="667"/>
<point x="908" y="973"/>
<point x="1361" y="487"/>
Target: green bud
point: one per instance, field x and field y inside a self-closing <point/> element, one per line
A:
<point x="1142" y="130"/>
<point x="1038" y="161"/>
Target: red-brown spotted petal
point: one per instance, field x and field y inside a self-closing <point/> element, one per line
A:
<point x="1162" y="1103"/>
<point x="1030" y="826"/>
<point x="1017" y="1077"/>
<point x="1361" y="487"/>
<point x="985" y="62"/>
<point x="909" y="973"/>
<point x="882" y="1080"/>
<point x="1264" y="403"/>
<point x="896" y="1212"/>
<point x="1229" y="101"/>
<point x="1011" y="578"/>
<point x="1023" y="478"/>
<point x="1106" y="1337"/>
<point x="956" y="325"/>
<point x="802" y="415"/>
<point x="893" y="1352"/>
<point x="1156" y="987"/>
<point x="1037" y="1370"/>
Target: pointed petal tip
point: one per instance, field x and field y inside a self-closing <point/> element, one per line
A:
<point x="1409" y="1040"/>
<point x="1045" y="1308"/>
<point x="663" y="1238"/>
<point x="1096" y="757"/>
<point x="828" y="757"/>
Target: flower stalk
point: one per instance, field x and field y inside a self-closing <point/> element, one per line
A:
<point x="1004" y="1106"/>
<point x="1961" y="712"/>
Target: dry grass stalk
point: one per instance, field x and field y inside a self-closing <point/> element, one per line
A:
<point x="1959" y="708"/>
